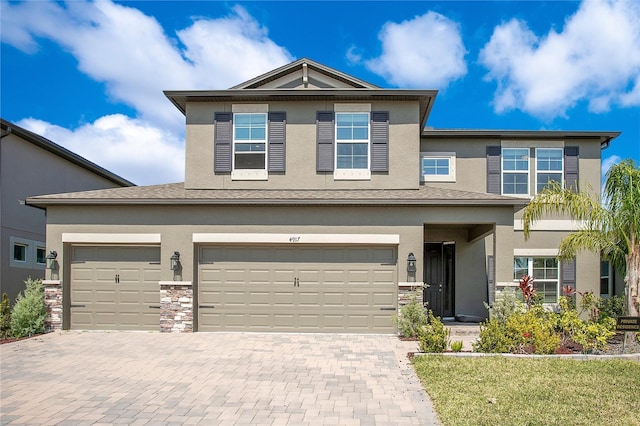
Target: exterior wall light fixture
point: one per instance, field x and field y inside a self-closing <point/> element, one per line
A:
<point x="411" y="263"/>
<point x="175" y="261"/>
<point x="51" y="260"/>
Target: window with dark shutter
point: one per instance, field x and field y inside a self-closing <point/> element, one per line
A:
<point x="325" y="132"/>
<point x="380" y="141"/>
<point x="222" y="142"/>
<point x="277" y="139"/>
<point x="493" y="170"/>
<point x="571" y="156"/>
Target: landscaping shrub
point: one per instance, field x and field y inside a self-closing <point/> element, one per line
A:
<point x="612" y="307"/>
<point x="29" y="312"/>
<point x="507" y="305"/>
<point x="433" y="337"/>
<point x="589" y="334"/>
<point x="456" y="346"/>
<point x="5" y="317"/>
<point x="522" y="332"/>
<point x="412" y="317"/>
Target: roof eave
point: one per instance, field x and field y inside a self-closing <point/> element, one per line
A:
<point x="62" y="152"/>
<point x="45" y="202"/>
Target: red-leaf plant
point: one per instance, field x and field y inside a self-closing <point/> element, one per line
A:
<point x="527" y="288"/>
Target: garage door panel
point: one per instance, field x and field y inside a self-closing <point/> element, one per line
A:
<point x="285" y="299"/>
<point x="384" y="299"/>
<point x="259" y="298"/>
<point x="309" y="299"/>
<point x="301" y="288"/>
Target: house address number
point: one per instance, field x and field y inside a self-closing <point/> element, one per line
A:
<point x="294" y="239"/>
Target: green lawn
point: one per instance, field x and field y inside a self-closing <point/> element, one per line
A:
<point x="528" y="391"/>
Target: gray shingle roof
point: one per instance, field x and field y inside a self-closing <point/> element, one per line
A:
<point x="176" y="194"/>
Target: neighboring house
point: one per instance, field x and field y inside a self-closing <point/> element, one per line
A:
<point x="32" y="165"/>
<point x="313" y="201"/>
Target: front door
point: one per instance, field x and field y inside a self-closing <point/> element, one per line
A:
<point x="439" y="278"/>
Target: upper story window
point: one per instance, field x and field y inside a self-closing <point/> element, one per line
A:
<point x="520" y="170"/>
<point x="352" y="140"/>
<point x="249" y="141"/>
<point x="438" y="166"/>
<point x="548" y="167"/>
<point x="515" y="171"/>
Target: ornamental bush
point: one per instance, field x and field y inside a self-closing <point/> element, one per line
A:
<point x="412" y="317"/>
<point x="433" y="337"/>
<point x="29" y="312"/>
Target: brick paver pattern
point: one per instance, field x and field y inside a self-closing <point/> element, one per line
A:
<point x="137" y="378"/>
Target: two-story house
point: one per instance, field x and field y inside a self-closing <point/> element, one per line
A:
<point x="313" y="201"/>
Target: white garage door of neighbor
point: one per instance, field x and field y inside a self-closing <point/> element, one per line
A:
<point x="115" y="288"/>
<point x="301" y="289"/>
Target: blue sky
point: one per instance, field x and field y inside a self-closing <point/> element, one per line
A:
<point x="90" y="75"/>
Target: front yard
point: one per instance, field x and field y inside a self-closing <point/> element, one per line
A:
<point x="531" y="391"/>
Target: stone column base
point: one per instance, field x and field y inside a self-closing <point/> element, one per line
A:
<point x="176" y="307"/>
<point x="53" y="302"/>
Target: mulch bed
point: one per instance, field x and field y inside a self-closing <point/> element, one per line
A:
<point x="17" y="339"/>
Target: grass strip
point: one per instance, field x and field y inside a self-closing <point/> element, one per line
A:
<point x="531" y="391"/>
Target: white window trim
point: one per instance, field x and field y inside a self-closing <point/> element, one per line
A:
<point x="528" y="172"/>
<point x="250" y="174"/>
<point x="352" y="174"/>
<point x="536" y="171"/>
<point x="451" y="156"/>
<point x="31" y="254"/>
<point x="536" y="279"/>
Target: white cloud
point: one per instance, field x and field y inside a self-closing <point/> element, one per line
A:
<point x="128" y="147"/>
<point x="595" y="58"/>
<point x="425" y="52"/>
<point x="131" y="53"/>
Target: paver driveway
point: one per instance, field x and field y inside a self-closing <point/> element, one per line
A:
<point x="134" y="378"/>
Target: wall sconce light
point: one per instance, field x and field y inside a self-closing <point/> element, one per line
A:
<point x="411" y="263"/>
<point x="175" y="261"/>
<point x="51" y="259"/>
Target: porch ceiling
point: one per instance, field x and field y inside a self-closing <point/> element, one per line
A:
<point x="475" y="231"/>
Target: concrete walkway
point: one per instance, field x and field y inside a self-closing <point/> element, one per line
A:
<point x="136" y="378"/>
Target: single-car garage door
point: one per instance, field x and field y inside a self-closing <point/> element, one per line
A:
<point x="309" y="289"/>
<point x="115" y="288"/>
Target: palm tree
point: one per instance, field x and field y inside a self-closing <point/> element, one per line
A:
<point x="611" y="228"/>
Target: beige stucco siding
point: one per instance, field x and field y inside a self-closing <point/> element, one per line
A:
<point x="408" y="223"/>
<point x="471" y="164"/>
<point x="301" y="149"/>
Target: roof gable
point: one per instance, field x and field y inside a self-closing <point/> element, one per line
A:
<point x="304" y="74"/>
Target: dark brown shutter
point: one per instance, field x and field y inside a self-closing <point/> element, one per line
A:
<point x="491" y="280"/>
<point x="379" y="141"/>
<point x="571" y="156"/>
<point x="568" y="273"/>
<point x="325" y="131"/>
<point x="493" y="170"/>
<point x="276" y="138"/>
<point x="222" y="142"/>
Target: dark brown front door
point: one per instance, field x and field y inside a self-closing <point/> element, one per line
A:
<point x="439" y="278"/>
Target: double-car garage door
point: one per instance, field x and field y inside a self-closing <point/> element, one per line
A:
<point x="300" y="289"/>
<point x="240" y="288"/>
